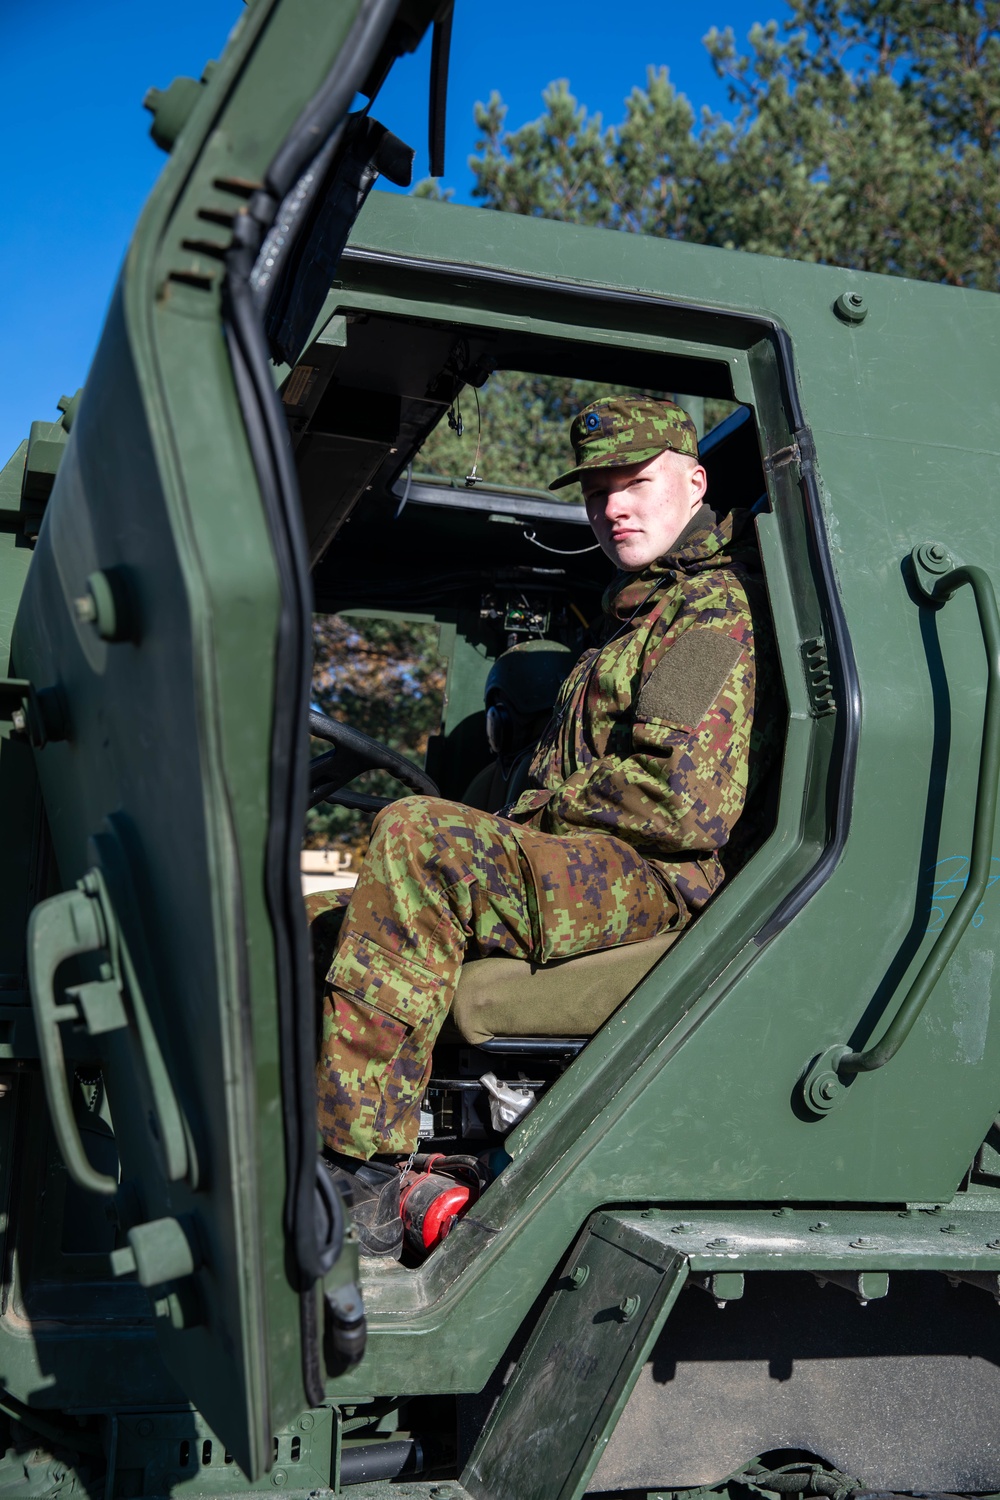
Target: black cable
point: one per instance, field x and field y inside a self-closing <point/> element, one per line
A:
<point x="267" y="437"/>
<point x="440" y="54"/>
<point x="289" y="752"/>
<point x="330" y="103"/>
<point x="329" y="1217"/>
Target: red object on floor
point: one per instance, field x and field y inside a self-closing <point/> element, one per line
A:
<point x="434" y="1194"/>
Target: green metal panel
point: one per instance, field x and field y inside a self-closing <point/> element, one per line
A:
<point x="551" y="1424"/>
<point x="18" y="793"/>
<point x="160" y="771"/>
<point x="553" y="1419"/>
<point x="19" y="805"/>
<point x="689" y="1095"/>
<point x="71" y="1338"/>
<point x="794" y="1239"/>
<point x="412" y="1489"/>
<point x="178" y="1454"/>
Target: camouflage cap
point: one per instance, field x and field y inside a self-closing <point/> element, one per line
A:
<point x="618" y="430"/>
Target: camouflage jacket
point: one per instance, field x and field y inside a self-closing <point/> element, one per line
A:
<point x="650" y="739"/>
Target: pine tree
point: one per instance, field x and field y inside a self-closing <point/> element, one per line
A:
<point x="863" y="135"/>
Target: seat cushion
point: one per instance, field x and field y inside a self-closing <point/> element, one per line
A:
<point x="568" y="997"/>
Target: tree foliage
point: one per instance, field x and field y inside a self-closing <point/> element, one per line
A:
<point x="863" y="135"/>
<point x="517" y="432"/>
<point x="513" y="430"/>
<point x="386" y="678"/>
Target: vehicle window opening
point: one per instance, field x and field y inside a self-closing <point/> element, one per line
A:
<point x="432" y="534"/>
<point x="386" y="677"/>
<point x="512" y="431"/>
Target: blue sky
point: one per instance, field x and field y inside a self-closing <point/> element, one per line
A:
<point x="79" y="163"/>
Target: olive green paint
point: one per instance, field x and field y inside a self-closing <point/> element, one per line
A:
<point x="689" y="1094"/>
<point x="717" y="1057"/>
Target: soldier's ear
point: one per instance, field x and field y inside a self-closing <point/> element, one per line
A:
<point x="699" y="482"/>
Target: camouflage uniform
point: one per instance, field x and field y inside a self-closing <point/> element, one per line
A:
<point x="441" y="880"/>
<point x="634" y="789"/>
<point x="651" y="735"/>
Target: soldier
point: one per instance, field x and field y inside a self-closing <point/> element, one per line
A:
<point x="634" y="789"/>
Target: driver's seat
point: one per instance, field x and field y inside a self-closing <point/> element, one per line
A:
<point x="499" y="998"/>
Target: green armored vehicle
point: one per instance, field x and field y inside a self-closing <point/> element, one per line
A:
<point x="747" y="1241"/>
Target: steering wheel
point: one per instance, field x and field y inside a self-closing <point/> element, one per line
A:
<point x="352" y="753"/>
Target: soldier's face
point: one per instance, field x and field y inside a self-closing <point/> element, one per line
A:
<point x="638" y="511"/>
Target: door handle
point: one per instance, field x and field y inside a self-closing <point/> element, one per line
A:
<point x="938" y="578"/>
<point x="67" y="926"/>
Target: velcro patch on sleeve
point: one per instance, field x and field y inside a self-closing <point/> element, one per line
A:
<point x="690" y="677"/>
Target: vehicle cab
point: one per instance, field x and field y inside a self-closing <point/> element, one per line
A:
<point x="259" y="445"/>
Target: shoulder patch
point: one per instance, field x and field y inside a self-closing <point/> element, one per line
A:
<point x="690" y="677"/>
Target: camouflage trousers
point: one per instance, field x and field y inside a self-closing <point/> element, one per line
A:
<point x="441" y="883"/>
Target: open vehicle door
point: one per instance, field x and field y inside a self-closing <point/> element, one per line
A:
<point x="164" y="643"/>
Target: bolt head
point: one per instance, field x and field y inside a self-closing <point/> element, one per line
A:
<point x="851" y="307"/>
<point x="823" y="1090"/>
<point x="932" y="557"/>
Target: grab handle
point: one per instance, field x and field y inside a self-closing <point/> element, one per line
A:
<point x="67" y="926"/>
<point x="937" y="578"/>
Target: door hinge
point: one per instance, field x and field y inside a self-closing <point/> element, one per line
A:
<point x="781" y="458"/>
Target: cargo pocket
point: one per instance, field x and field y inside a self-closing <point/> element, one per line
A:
<point x="365" y="1066"/>
<point x="395" y="984"/>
